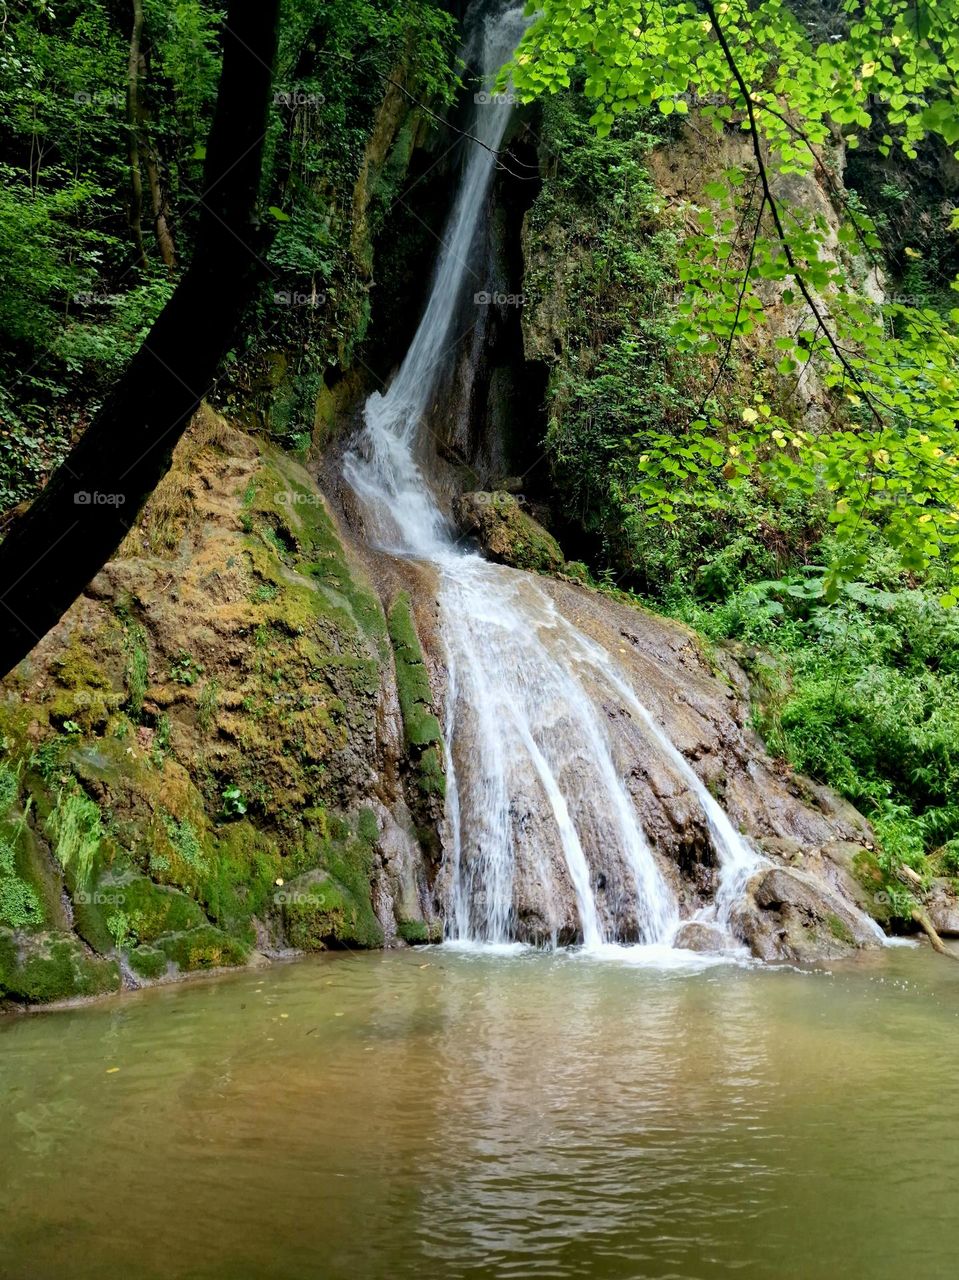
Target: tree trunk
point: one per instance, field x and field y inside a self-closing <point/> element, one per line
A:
<point x="90" y="502"/>
<point x="151" y="163"/>
<point x="133" y="148"/>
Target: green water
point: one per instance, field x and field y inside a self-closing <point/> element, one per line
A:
<point x="430" y="1113"/>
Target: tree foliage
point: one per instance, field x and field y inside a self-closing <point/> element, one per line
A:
<point x="887" y="456"/>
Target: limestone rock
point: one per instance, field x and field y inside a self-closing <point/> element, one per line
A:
<point x="506" y="532"/>
<point x="787" y="915"/>
<point x="695" y="935"/>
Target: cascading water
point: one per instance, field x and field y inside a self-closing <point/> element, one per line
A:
<point x="524" y="735"/>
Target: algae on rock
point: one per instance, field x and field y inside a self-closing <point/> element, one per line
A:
<point x="203" y="727"/>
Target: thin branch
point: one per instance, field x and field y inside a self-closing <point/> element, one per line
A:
<point x="810" y="298"/>
<point x="739" y="307"/>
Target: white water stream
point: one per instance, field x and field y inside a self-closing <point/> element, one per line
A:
<point x="525" y="731"/>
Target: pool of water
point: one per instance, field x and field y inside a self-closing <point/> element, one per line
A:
<point x="471" y="1115"/>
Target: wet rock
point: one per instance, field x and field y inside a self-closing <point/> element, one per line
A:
<point x="695" y="935"/>
<point x="506" y="532"/>
<point x="789" y="916"/>
<point x="40" y="967"/>
<point x="942" y="906"/>
<point x="233" y="721"/>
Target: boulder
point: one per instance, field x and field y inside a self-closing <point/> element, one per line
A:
<point x="696" y="935"/>
<point x="787" y="915"/>
<point x="507" y="533"/>
<point x="942" y="906"/>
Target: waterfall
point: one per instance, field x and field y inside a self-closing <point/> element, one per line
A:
<point x="530" y="764"/>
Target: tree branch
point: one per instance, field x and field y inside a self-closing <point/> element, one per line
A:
<point x="811" y="300"/>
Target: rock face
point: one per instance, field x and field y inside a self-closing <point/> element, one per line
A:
<point x="506" y="532"/>
<point x="214" y="721"/>
<point x="228" y="746"/>
<point x="787" y="915"/>
<point x="812" y="911"/>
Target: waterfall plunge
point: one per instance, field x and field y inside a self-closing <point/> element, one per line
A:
<point x="522" y="731"/>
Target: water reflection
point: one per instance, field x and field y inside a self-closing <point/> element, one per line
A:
<point x="469" y="1115"/>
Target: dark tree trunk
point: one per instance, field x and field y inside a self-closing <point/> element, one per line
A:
<point x="133" y="137"/>
<point x="82" y="515"/>
<point x="148" y="154"/>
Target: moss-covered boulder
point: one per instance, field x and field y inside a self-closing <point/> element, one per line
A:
<point x="40" y="967"/>
<point x="204" y="725"/>
<point x="507" y="533"/>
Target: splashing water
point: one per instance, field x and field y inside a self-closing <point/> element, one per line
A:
<point x="534" y="790"/>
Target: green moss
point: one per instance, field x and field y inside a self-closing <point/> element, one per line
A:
<point x="77" y="830"/>
<point x="9" y="786"/>
<point x="52" y="967"/>
<point x="367" y="827"/>
<point x="241" y="878"/>
<point x="329" y="915"/>
<point x="418" y="932"/>
<point x="203" y="948"/>
<point x="431" y="775"/>
<point x="420" y="725"/>
<point x="839" y="929"/>
<point x="147" y="861"/>
<point x="153" y="910"/>
<point x="19" y="904"/>
<point x="303" y="530"/>
<point x="330" y="906"/>
<point x="137" y="668"/>
<point x="148" y="962"/>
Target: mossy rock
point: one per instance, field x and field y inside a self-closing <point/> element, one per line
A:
<point x="343" y="913"/>
<point x="879" y="899"/>
<point x="420" y="932"/>
<point x="204" y="948"/>
<point x="38" y="968"/>
<point x="244" y="868"/>
<point x="291" y="643"/>
<point x="421" y="727"/>
<point x="153" y="910"/>
<point x="320" y="912"/>
<point x="148" y="962"/>
<point x="507" y="533"/>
